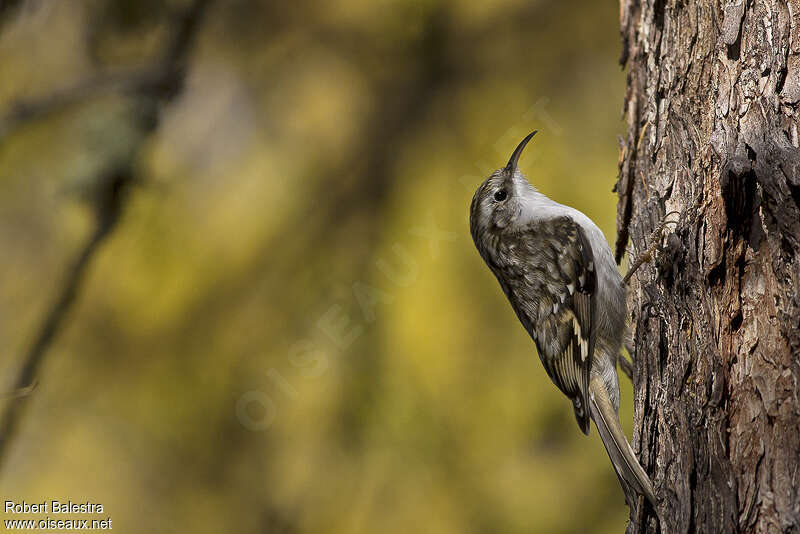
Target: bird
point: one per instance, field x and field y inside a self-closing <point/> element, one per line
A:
<point x="556" y="268"/>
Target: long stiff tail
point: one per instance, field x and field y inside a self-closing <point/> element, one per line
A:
<point x="628" y="469"/>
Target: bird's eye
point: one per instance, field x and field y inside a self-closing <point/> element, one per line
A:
<point x="500" y="195"/>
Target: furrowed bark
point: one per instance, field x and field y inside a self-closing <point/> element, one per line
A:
<point x="712" y="133"/>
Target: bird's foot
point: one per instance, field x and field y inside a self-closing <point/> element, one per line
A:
<point x="655" y="242"/>
<point x="626" y="366"/>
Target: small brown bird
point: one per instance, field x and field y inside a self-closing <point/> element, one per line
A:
<point x="556" y="268"/>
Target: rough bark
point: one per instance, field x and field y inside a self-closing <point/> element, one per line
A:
<point x="712" y="117"/>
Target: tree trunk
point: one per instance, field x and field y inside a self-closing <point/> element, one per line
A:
<point x="712" y="116"/>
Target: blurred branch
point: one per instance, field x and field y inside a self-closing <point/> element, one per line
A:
<point x="24" y="111"/>
<point x="405" y="106"/>
<point x="7" y="7"/>
<point x="160" y="79"/>
<point x="21" y="392"/>
<point x="157" y="86"/>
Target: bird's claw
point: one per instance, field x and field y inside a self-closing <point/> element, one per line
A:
<point x="655" y="241"/>
<point x="626" y="366"/>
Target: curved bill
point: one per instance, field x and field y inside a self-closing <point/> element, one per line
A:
<point x="512" y="163"/>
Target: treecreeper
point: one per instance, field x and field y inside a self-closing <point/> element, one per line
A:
<point x="556" y="268"/>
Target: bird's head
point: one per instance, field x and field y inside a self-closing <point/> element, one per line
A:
<point x="500" y="199"/>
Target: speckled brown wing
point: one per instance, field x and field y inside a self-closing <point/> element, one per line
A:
<point x="549" y="278"/>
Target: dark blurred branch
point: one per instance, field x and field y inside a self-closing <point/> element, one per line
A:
<point x="156" y="87"/>
<point x="19" y="392"/>
<point x="23" y="111"/>
<point x="161" y="79"/>
<point x="405" y="105"/>
<point x="55" y="318"/>
<point x="7" y="7"/>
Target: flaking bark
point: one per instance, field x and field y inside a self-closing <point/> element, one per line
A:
<point x="711" y="111"/>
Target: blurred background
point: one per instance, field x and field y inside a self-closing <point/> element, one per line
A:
<point x="236" y="261"/>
